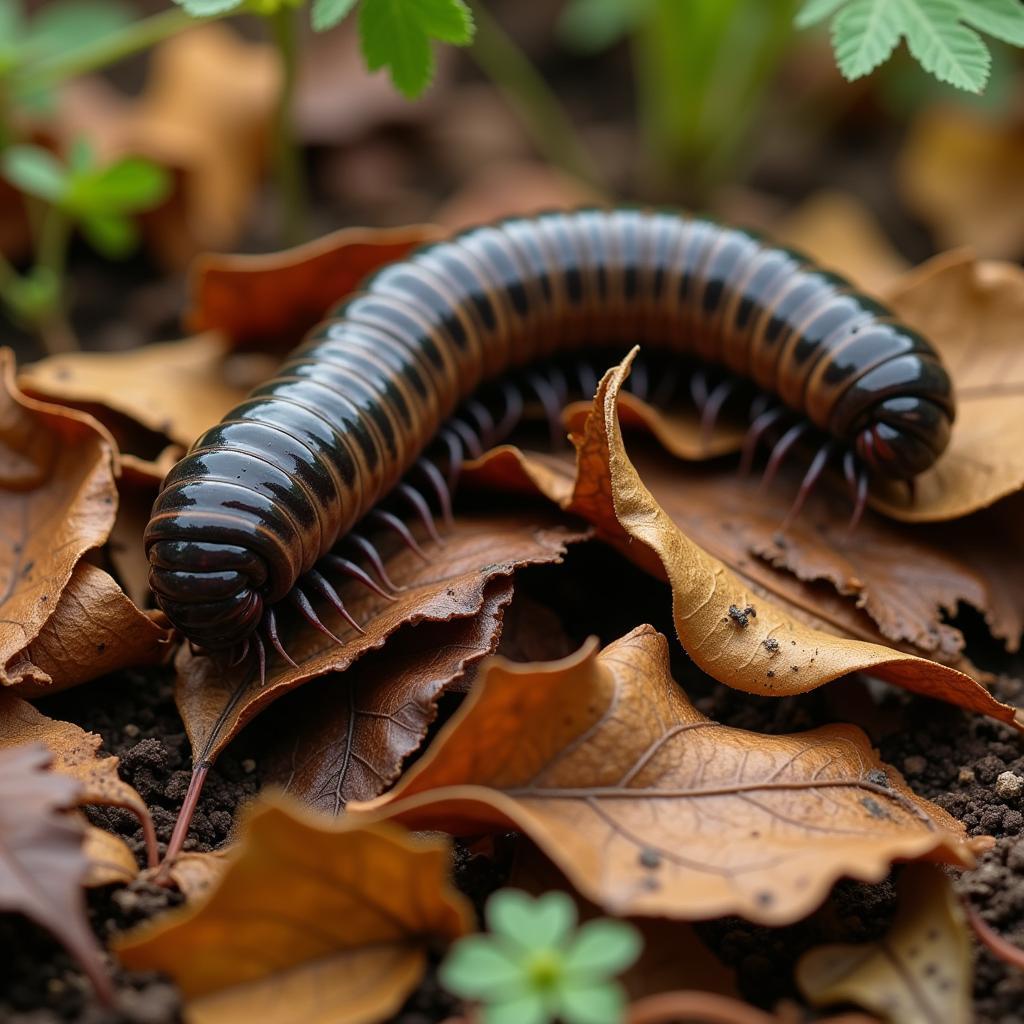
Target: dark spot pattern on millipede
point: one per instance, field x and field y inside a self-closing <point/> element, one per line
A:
<point x="367" y="424"/>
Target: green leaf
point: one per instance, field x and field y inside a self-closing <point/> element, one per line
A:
<point x="66" y="26"/>
<point x="11" y="24"/>
<point x="603" y="948"/>
<point x="110" y="234"/>
<point x="951" y="51"/>
<point x="35" y="171"/>
<point x="590" y="26"/>
<point x="477" y="967"/>
<point x="864" y="34"/>
<point x="528" y="1008"/>
<point x="531" y="924"/>
<point x="328" y="13"/>
<point x="32" y="296"/>
<point x="81" y="158"/>
<point x="208" y="8"/>
<point x="396" y="34"/>
<point x="599" y="1003"/>
<point x="1003" y="19"/>
<point x="130" y="186"/>
<point x="814" y="11"/>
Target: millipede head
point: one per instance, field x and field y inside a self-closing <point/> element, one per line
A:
<point x="904" y="436"/>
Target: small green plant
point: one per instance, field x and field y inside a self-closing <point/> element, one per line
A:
<point x="99" y="199"/>
<point x="942" y="35"/>
<point x="536" y="966"/>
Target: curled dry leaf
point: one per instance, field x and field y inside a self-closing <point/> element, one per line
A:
<point x="110" y="860"/>
<point x="75" y="753"/>
<point x="42" y="861"/>
<point x="921" y="972"/>
<point x="174" y="389"/>
<point x="971" y="311"/>
<point x="711" y="1008"/>
<point x="58" y="499"/>
<point x="651" y="808"/>
<point x="94" y="630"/>
<point x="963" y="174"/>
<point x="272" y="300"/>
<point x="313" y="920"/>
<point x="196" y="874"/>
<point x="725" y="626"/>
<point x="345" y="737"/>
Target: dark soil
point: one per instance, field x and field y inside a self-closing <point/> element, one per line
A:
<point x="947" y="756"/>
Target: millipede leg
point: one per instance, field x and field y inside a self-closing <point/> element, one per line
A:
<point x="811" y="477"/>
<point x="299" y="599"/>
<point x="240" y="657"/>
<point x="713" y="406"/>
<point x="323" y="587"/>
<point x="548" y="398"/>
<point x="468" y="437"/>
<point x="484" y="421"/>
<point x="422" y="509"/>
<point x="349" y="568"/>
<point x="781" y="450"/>
<point x="586" y="377"/>
<point x="857" y="479"/>
<point x="376" y="562"/>
<point x="513" y="409"/>
<point x="762" y="423"/>
<point x="392" y="522"/>
<point x="437" y="481"/>
<point x="270" y="627"/>
<point x="261" y="658"/>
<point x="699" y="388"/>
<point x="453" y="443"/>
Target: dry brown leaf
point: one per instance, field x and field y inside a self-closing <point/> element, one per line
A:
<point x="345" y="737"/>
<point x="314" y="920"/>
<point x="196" y="874"/>
<point x="58" y="499"/>
<point x="94" y="630"/>
<point x="710" y="1008"/>
<point x="839" y="231"/>
<point x="728" y="630"/>
<point x="174" y="389"/>
<point x="111" y="862"/>
<point x="971" y="311"/>
<point x="963" y="174"/>
<point x="920" y="973"/>
<point x="42" y="861"/>
<point x="75" y="753"/>
<point x="273" y="299"/>
<point x="215" y="702"/>
<point x="651" y="808"/>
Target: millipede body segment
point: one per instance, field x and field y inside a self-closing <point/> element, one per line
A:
<point x="266" y="494"/>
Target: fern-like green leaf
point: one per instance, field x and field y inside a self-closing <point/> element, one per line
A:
<point x="1003" y="19"/>
<point x="864" y="34"/>
<point x="814" y="11"/>
<point x="943" y="45"/>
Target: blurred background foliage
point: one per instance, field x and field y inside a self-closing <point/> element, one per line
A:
<point x="260" y="124"/>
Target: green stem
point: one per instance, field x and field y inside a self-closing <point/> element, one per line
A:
<point x="131" y="39"/>
<point x="526" y="91"/>
<point x="51" y="256"/>
<point x="291" y="176"/>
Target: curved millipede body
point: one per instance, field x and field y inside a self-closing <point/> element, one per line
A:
<point x="266" y="494"/>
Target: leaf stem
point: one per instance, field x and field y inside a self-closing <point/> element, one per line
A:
<point x="51" y="257"/>
<point x="125" y="42"/>
<point x="524" y="88"/>
<point x="291" y="176"/>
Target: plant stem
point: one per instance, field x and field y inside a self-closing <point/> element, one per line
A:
<point x="545" y="119"/>
<point x="291" y="176"/>
<point x="131" y="39"/>
<point x="51" y="256"/>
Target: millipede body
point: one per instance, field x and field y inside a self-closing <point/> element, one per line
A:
<point x="264" y="496"/>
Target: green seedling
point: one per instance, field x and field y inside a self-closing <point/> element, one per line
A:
<point x="536" y="966"/>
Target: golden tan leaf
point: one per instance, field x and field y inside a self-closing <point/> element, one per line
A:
<point x="651" y="808"/>
<point x="971" y="311"/>
<point x="57" y="500"/>
<point x="725" y="625"/>
<point x="75" y="753"/>
<point x="920" y="973"/>
<point x="314" y="920"/>
<point x="962" y="173"/>
<point x="196" y="874"/>
<point x="94" y="630"/>
<point x="110" y="860"/>
<point x="711" y="1008"/>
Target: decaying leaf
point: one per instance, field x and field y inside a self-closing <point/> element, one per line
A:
<point x="196" y="874"/>
<point x="971" y="311"/>
<point x="313" y="920"/>
<point x="839" y="231"/>
<point x="920" y="973"/>
<point x="273" y="299"/>
<point x="726" y="627"/>
<point x="42" y="861"/>
<point x="175" y="389"/>
<point x="58" y="499"/>
<point x="345" y="737"/>
<point x="702" y="1007"/>
<point x="651" y="808"/>
<point x="94" y="630"/>
<point x="75" y="753"/>
<point x="215" y="702"/>
<point x="110" y="860"/>
<point x="963" y="173"/>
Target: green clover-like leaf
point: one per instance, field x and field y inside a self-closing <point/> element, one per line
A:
<point x="531" y="924"/>
<point x="34" y="171"/>
<point x="325" y="14"/>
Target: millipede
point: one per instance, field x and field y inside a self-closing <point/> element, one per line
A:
<point x="435" y="357"/>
